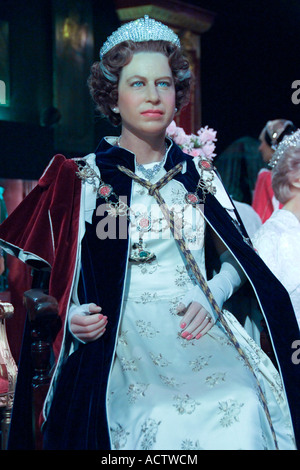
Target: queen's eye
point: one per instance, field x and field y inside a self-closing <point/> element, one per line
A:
<point x="164" y="84"/>
<point x="137" y="84"/>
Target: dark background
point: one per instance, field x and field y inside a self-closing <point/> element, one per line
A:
<point x="250" y="58"/>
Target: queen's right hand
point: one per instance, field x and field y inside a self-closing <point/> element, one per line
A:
<point x="86" y="322"/>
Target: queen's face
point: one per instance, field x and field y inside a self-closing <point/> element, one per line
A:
<point x="146" y="95"/>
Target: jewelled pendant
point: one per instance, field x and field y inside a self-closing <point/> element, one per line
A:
<point x="139" y="254"/>
<point x="205" y="165"/>
<point x="192" y="198"/>
<point x="143" y="224"/>
<point x="105" y="190"/>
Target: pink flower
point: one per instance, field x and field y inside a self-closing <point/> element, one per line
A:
<point x="196" y="152"/>
<point x="200" y="145"/>
<point x="171" y="129"/>
<point x="181" y="138"/>
<point x="208" y="148"/>
<point x="207" y="134"/>
<point x="178" y="134"/>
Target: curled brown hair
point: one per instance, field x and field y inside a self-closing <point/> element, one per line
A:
<point x="104" y="78"/>
<point x="285" y="173"/>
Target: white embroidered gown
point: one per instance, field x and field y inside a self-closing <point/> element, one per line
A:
<point x="277" y="242"/>
<point x="168" y="393"/>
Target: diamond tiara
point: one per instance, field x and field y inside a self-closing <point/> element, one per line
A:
<point x="142" y="29"/>
<point x="292" y="140"/>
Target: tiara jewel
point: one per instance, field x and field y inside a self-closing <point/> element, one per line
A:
<point x="292" y="140"/>
<point x="142" y="29"/>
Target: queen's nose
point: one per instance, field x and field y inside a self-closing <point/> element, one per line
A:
<point x="152" y="94"/>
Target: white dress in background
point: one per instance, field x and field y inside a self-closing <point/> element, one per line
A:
<point x="278" y="244"/>
<point x="250" y="218"/>
<point x="168" y="393"/>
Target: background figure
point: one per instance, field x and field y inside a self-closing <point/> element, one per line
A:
<point x="278" y="240"/>
<point x="249" y="217"/>
<point x="238" y="166"/>
<point x="264" y="202"/>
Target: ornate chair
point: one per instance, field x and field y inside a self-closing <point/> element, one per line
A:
<point x="8" y="373"/>
<point x="35" y="369"/>
<point x="42" y="311"/>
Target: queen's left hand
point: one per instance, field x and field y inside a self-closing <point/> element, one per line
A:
<point x="196" y="320"/>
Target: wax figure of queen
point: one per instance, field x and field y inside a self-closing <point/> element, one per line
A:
<point x="146" y="358"/>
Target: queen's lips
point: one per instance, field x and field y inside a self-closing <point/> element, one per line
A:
<point x="153" y="111"/>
